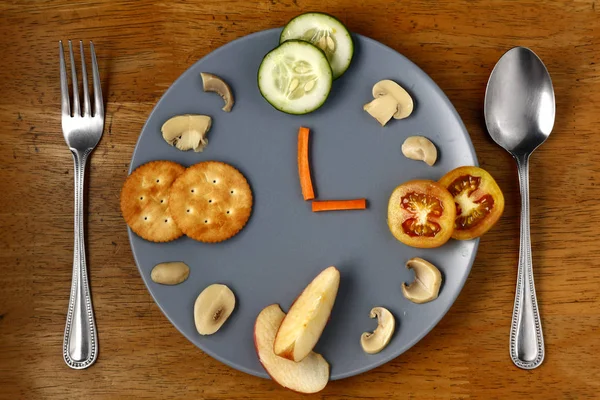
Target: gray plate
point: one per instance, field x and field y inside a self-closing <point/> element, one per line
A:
<point x="284" y="244"/>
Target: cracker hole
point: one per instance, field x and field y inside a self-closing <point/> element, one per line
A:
<point x="227" y="211"/>
<point x="192" y="190"/>
<point x="231" y="192"/>
<point x="210" y="201"/>
<point x="166" y="220"/>
<point x="162" y="201"/>
<point x="206" y="221"/>
<point x="188" y="210"/>
<point x="145" y="218"/>
<point x="214" y="181"/>
<point x="142" y="198"/>
<point x="158" y="180"/>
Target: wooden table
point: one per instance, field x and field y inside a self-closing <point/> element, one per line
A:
<point x="142" y="48"/>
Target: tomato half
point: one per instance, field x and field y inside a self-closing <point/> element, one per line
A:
<point x="421" y="214"/>
<point x="478" y="198"/>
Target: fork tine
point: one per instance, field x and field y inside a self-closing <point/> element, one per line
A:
<point x="86" y="96"/>
<point x="64" y="85"/>
<point x="74" y="83"/>
<point x="98" y="102"/>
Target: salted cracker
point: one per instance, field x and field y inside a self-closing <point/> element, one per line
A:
<point x="145" y="201"/>
<point x="211" y="201"/>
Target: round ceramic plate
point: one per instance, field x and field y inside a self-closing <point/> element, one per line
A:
<point x="284" y="244"/>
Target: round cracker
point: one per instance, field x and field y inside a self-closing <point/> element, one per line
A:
<point x="211" y="201"/>
<point x="145" y="201"/>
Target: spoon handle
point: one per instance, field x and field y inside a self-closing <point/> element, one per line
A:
<point x="526" y="339"/>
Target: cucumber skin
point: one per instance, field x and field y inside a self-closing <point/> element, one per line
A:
<point x="273" y="105"/>
<point x="325" y="15"/>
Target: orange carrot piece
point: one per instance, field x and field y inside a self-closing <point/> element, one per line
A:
<point x="337" y="205"/>
<point x="303" y="165"/>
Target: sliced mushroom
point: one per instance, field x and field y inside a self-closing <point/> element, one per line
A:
<point x="426" y="285"/>
<point x="212" y="308"/>
<point x="390" y="100"/>
<point x="382" y="109"/>
<point x="212" y="83"/>
<point x="170" y="273"/>
<point x="388" y="87"/>
<point x="376" y="341"/>
<point x="420" y="148"/>
<point x="187" y="132"/>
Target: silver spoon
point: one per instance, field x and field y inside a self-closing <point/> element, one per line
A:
<point x="519" y="114"/>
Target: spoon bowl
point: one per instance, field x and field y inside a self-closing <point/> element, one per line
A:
<point x="519" y="102"/>
<point x="519" y="115"/>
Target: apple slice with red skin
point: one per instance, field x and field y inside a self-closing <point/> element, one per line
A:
<point x="303" y="325"/>
<point x="307" y="376"/>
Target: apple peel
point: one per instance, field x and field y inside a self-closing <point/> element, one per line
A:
<point x="307" y="376"/>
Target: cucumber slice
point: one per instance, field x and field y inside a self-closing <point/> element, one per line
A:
<point x="295" y="77"/>
<point x="325" y="32"/>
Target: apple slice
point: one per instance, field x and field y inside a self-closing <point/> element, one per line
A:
<point x="308" y="376"/>
<point x="304" y="323"/>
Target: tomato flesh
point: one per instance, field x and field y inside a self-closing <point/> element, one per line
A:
<point x="423" y="206"/>
<point x="462" y="188"/>
<point x="478" y="199"/>
<point x="421" y="214"/>
<point x="483" y="208"/>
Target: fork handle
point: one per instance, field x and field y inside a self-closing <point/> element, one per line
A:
<point x="80" y="346"/>
<point x="526" y="338"/>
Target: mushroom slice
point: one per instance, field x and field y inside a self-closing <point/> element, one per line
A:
<point x="388" y="87"/>
<point x="212" y="308"/>
<point x="382" y="109"/>
<point x="187" y="132"/>
<point x="212" y="83"/>
<point x="376" y="341"/>
<point x="420" y="148"/>
<point x="391" y="100"/>
<point x="426" y="285"/>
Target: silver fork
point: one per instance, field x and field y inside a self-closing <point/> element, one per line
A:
<point x="82" y="133"/>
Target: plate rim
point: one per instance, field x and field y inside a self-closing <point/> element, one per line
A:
<point x="392" y="355"/>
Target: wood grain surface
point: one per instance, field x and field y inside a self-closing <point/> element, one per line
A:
<point x="142" y="48"/>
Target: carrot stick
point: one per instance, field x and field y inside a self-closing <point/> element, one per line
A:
<point x="336" y="205"/>
<point x="303" y="165"/>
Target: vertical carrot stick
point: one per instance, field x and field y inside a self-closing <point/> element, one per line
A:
<point x="303" y="165"/>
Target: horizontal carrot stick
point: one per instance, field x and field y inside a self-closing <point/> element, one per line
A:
<point x="303" y="165"/>
<point x="338" y="205"/>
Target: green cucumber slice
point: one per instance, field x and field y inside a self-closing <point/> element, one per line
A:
<point x="325" y="32"/>
<point x="295" y="77"/>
